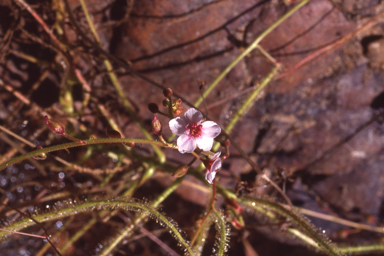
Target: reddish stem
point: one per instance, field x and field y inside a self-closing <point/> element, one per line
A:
<point x="211" y="207"/>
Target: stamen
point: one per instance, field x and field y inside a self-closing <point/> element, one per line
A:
<point x="194" y="129"/>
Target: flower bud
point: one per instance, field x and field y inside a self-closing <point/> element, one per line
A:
<point x="180" y="171"/>
<point x="156" y="126"/>
<point x="55" y="126"/>
<point x="153" y="108"/>
<point x="167" y="92"/>
<point x="166" y="103"/>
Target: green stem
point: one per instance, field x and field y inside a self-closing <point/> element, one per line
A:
<point x="304" y="237"/>
<point x="117" y="85"/>
<point x="248" y="103"/>
<point x="211" y="208"/>
<point x="363" y="249"/>
<point x="223" y="231"/>
<point x="201" y="234"/>
<point x="148" y="173"/>
<point x="78" y="234"/>
<point x="322" y="241"/>
<point x="127" y="193"/>
<point x="77" y="144"/>
<point x="100" y="205"/>
<point x="126" y="231"/>
<point x="349" y="250"/>
<point x="250" y="100"/>
<point x="272" y="209"/>
<point x="250" y="48"/>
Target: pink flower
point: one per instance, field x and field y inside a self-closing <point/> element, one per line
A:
<point x="212" y="166"/>
<point x="193" y="131"/>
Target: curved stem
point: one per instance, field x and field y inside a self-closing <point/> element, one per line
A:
<point x="250" y="48"/>
<point x="322" y="241"/>
<point x="211" y="208"/>
<point x="127" y="230"/>
<point x="87" y="226"/>
<point x="99" y="205"/>
<point x="112" y="75"/>
<point x="250" y="100"/>
<point x="77" y="144"/>
<point x="248" y="103"/>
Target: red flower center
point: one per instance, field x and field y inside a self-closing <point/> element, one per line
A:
<point x="194" y="129"/>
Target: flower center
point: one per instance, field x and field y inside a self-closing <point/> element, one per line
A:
<point x="194" y="129"/>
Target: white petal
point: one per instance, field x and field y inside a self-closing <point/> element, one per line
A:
<point x="209" y="176"/>
<point x="210" y="129"/>
<point x="216" y="165"/>
<point x="216" y="155"/>
<point x="178" y="125"/>
<point x="204" y="143"/>
<point x="193" y="115"/>
<point x="186" y="144"/>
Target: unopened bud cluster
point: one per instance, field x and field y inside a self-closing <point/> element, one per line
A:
<point x="174" y="106"/>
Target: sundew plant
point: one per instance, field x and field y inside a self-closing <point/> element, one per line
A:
<point x="102" y="155"/>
